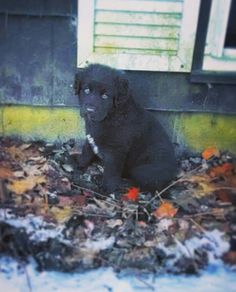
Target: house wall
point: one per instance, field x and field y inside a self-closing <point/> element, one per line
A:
<point x="38" y="61"/>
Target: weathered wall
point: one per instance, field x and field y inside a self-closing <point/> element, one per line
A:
<point x="37" y="51"/>
<point x="37" y="65"/>
<point x="38" y="60"/>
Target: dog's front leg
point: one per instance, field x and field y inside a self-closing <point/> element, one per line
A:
<point x="113" y="165"/>
<point x="86" y="156"/>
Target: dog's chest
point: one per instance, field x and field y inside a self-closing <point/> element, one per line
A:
<point x="92" y="144"/>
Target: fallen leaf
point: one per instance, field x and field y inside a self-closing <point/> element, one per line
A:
<point x="188" y="200"/>
<point x="226" y="195"/>
<point x="132" y="194"/>
<point x="164" y="224"/>
<point x="114" y="222"/>
<point x="166" y="209"/>
<point x="32" y="170"/>
<point x="61" y="214"/>
<point x="210" y="152"/>
<point x="65" y="201"/>
<point x="16" y="153"/>
<point x="5" y="173"/>
<point x="225" y="169"/>
<point x="205" y="187"/>
<point x="19" y="187"/>
<point x="19" y="173"/>
<point x="67" y="167"/>
<point x="25" y="146"/>
<point x="38" y="159"/>
<point x="230" y="257"/>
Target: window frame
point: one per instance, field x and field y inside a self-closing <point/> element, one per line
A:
<point x="212" y="69"/>
<point x="182" y="62"/>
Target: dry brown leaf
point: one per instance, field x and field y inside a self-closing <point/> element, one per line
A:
<point x="16" y="153"/>
<point x="5" y="173"/>
<point x="230" y="257"/>
<point x="25" y="146"/>
<point x="32" y="170"/>
<point x="38" y="159"/>
<point x="205" y="187"/>
<point x="19" y="187"/>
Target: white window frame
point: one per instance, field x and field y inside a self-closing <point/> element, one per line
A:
<point x="180" y="63"/>
<point x="216" y="57"/>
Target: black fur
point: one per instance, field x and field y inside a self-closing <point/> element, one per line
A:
<point x="129" y="140"/>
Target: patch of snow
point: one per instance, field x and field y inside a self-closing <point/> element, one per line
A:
<point x="164" y="224"/>
<point x="212" y="242"/>
<point x="14" y="278"/>
<point x="101" y="244"/>
<point x="37" y="229"/>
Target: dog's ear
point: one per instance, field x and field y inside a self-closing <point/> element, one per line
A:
<point x="122" y="91"/>
<point x="77" y="82"/>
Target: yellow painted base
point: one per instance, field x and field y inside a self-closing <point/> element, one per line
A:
<point x="44" y="123"/>
<point x="195" y="131"/>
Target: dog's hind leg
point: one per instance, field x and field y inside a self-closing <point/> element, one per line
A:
<point x="152" y="177"/>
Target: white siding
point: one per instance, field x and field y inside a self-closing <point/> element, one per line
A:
<point x="131" y="33"/>
<point x="137" y="27"/>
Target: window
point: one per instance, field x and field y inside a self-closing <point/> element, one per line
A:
<point x="220" y="49"/>
<point x="155" y="35"/>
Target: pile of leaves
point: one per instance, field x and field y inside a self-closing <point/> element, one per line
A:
<point x="52" y="212"/>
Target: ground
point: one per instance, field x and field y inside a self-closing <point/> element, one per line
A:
<point x="53" y="213"/>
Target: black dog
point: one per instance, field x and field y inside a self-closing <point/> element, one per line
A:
<point x="129" y="140"/>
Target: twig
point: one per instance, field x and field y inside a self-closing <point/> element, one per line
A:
<point x="27" y="278"/>
<point x="225" y="188"/>
<point x="89" y="190"/>
<point x="106" y="202"/>
<point x="172" y="184"/>
<point x="162" y="191"/>
<point x="103" y="196"/>
<point x="213" y="212"/>
<point x="151" y="287"/>
<point x="203" y="231"/>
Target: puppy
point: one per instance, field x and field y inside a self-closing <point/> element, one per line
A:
<point x="129" y="140"/>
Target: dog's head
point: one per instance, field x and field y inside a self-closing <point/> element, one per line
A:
<point x="101" y="91"/>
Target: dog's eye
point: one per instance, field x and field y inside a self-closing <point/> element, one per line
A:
<point x="104" y="96"/>
<point x="86" y="90"/>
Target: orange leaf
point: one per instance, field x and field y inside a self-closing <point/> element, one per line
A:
<point x="132" y="194"/>
<point x="5" y="173"/>
<point x="21" y="186"/>
<point x="210" y="152"/>
<point x="165" y="210"/>
<point x="224" y="169"/>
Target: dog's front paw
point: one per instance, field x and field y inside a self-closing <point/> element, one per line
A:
<point x="82" y="162"/>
